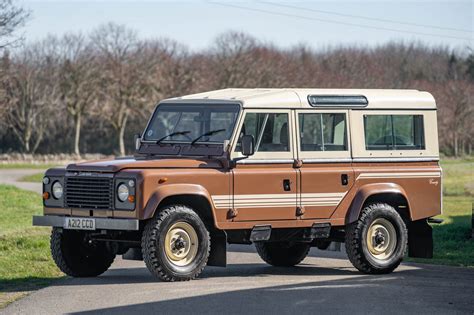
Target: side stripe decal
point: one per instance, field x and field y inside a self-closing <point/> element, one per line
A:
<point x="306" y="199"/>
<point x="399" y="175"/>
<point x="277" y="200"/>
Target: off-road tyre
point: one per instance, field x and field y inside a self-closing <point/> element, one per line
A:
<point x="282" y="254"/>
<point x="356" y="240"/>
<point x="153" y="249"/>
<point x="76" y="257"/>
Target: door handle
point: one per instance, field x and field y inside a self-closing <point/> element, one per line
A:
<point x="344" y="179"/>
<point x="286" y="185"/>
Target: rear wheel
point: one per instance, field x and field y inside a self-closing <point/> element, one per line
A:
<point x="377" y="241"/>
<point x="282" y="254"/>
<point x="176" y="244"/>
<point x="77" y="255"/>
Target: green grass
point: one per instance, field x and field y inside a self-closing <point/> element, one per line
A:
<point x="34" y="178"/>
<point x="457" y="174"/>
<point x="25" y="261"/>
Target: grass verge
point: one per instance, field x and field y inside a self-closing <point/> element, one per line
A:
<point x="34" y="178"/>
<point x="25" y="261"/>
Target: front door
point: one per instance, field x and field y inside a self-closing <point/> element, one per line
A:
<point x="326" y="172"/>
<point x="265" y="184"/>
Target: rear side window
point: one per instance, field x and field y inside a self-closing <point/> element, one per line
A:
<point x="323" y="132"/>
<point x="394" y="132"/>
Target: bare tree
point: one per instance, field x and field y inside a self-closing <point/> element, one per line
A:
<point x="27" y="96"/>
<point x="120" y="84"/>
<point x="109" y="82"/>
<point x="11" y="18"/>
<point x="77" y="80"/>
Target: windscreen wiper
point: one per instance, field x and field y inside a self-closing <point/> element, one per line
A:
<point x="209" y="133"/>
<point x="176" y="133"/>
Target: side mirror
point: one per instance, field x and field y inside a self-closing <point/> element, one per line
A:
<point x="248" y="145"/>
<point x="138" y="141"/>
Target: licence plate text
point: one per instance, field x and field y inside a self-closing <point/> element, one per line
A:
<point x="79" y="224"/>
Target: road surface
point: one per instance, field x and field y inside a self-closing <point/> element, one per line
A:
<point x="247" y="285"/>
<point x="324" y="282"/>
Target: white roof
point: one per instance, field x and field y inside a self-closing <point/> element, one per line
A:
<point x="298" y="98"/>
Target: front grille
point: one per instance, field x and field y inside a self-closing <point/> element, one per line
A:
<point x="89" y="192"/>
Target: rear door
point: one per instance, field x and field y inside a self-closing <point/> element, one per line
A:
<point x="326" y="172"/>
<point x="265" y="184"/>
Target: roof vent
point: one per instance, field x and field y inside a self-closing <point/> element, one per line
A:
<point x="338" y="100"/>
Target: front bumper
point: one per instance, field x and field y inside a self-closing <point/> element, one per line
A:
<point x="100" y="223"/>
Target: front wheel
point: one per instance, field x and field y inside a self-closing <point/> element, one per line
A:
<point x="77" y="255"/>
<point x="377" y="241"/>
<point x="176" y="244"/>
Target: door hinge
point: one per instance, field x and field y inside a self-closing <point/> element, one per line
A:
<point x="299" y="211"/>
<point x="232" y="213"/>
<point x="297" y="163"/>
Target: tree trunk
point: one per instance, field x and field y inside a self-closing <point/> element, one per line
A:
<point x="77" y="135"/>
<point x="455" y="144"/>
<point x="123" y="125"/>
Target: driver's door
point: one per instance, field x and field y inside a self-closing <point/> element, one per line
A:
<point x="265" y="184"/>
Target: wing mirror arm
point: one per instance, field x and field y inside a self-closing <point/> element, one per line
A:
<point x="138" y="141"/>
<point x="247" y="144"/>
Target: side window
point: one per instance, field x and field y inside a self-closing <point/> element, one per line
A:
<point x="394" y="132"/>
<point x="270" y="131"/>
<point x="323" y="132"/>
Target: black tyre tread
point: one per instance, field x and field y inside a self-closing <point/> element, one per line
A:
<point x="277" y="257"/>
<point x="150" y="237"/>
<point x="353" y="242"/>
<point x="85" y="270"/>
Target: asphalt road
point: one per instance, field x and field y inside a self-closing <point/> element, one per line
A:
<point x="324" y="282"/>
<point x="12" y="177"/>
<point x="247" y="285"/>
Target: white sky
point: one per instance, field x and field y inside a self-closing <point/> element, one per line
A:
<point x="197" y="23"/>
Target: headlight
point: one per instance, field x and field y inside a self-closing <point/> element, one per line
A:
<point x="57" y="190"/>
<point x="122" y="192"/>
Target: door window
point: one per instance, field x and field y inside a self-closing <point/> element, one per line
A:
<point x="270" y="131"/>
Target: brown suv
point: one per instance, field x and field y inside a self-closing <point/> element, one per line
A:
<point x="284" y="169"/>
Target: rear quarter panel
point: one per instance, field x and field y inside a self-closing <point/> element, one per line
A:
<point x="419" y="182"/>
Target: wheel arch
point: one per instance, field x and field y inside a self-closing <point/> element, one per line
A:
<point x="199" y="199"/>
<point x="192" y="195"/>
<point x="390" y="193"/>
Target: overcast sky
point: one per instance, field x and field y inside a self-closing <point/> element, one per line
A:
<point x="316" y="23"/>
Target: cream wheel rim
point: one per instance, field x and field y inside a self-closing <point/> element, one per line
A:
<point x="381" y="239"/>
<point x="181" y="244"/>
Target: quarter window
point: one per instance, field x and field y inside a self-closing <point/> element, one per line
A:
<point x="270" y="131"/>
<point x="323" y="132"/>
<point x="394" y="132"/>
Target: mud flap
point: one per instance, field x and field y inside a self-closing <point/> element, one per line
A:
<point x="218" y="254"/>
<point x="420" y="239"/>
<point x="133" y="254"/>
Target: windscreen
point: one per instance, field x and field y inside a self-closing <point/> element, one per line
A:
<point x="191" y="121"/>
